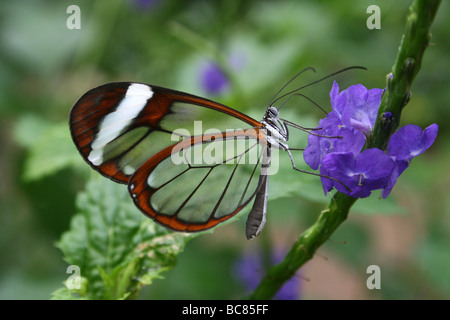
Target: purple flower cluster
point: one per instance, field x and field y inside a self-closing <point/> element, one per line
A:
<point x="354" y="112"/>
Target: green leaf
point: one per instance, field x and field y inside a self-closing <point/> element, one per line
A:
<point x="65" y="293"/>
<point x="50" y="147"/>
<point x="117" y="248"/>
<point x="29" y="128"/>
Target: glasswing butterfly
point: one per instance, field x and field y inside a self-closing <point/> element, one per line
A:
<point x="185" y="178"/>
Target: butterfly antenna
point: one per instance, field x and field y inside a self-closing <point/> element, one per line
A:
<point x="304" y="96"/>
<point x="273" y="100"/>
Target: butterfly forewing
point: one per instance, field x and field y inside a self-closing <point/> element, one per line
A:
<point x="119" y="126"/>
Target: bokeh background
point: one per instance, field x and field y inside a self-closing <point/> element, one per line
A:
<point x="238" y="53"/>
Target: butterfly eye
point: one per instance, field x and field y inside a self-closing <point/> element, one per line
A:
<point x="272" y="111"/>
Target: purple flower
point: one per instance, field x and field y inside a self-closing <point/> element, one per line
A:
<point x="212" y="79"/>
<point x="369" y="170"/>
<point x="250" y="269"/>
<point x="405" y="144"/>
<point x="336" y="147"/>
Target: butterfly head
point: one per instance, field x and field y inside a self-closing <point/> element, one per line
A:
<point x="271" y="113"/>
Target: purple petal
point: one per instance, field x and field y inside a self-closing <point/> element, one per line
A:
<point x="356" y="106"/>
<point x="362" y="108"/>
<point x="330" y="125"/>
<point x="405" y="144"/>
<point x="340" y="103"/>
<point x="319" y="146"/>
<point x="334" y="93"/>
<point x="339" y="166"/>
<point x="313" y="152"/>
<point x="368" y="171"/>
<point x="351" y="140"/>
<point x="410" y="141"/>
<point x="357" y="94"/>
<point x="360" y="191"/>
<point x="400" y="166"/>
<point x="327" y="184"/>
<point x="339" y="161"/>
<point x="430" y="134"/>
<point x="374" y="164"/>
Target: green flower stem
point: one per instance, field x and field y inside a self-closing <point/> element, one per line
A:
<point x="409" y="59"/>
<point x="407" y="65"/>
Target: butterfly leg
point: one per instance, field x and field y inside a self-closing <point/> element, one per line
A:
<point x="286" y="148"/>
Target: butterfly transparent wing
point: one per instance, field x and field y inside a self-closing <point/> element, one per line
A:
<point x="195" y="185"/>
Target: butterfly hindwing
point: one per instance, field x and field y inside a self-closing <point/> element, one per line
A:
<point x="190" y="193"/>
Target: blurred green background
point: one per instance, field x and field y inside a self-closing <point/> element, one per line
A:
<point x="45" y="67"/>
